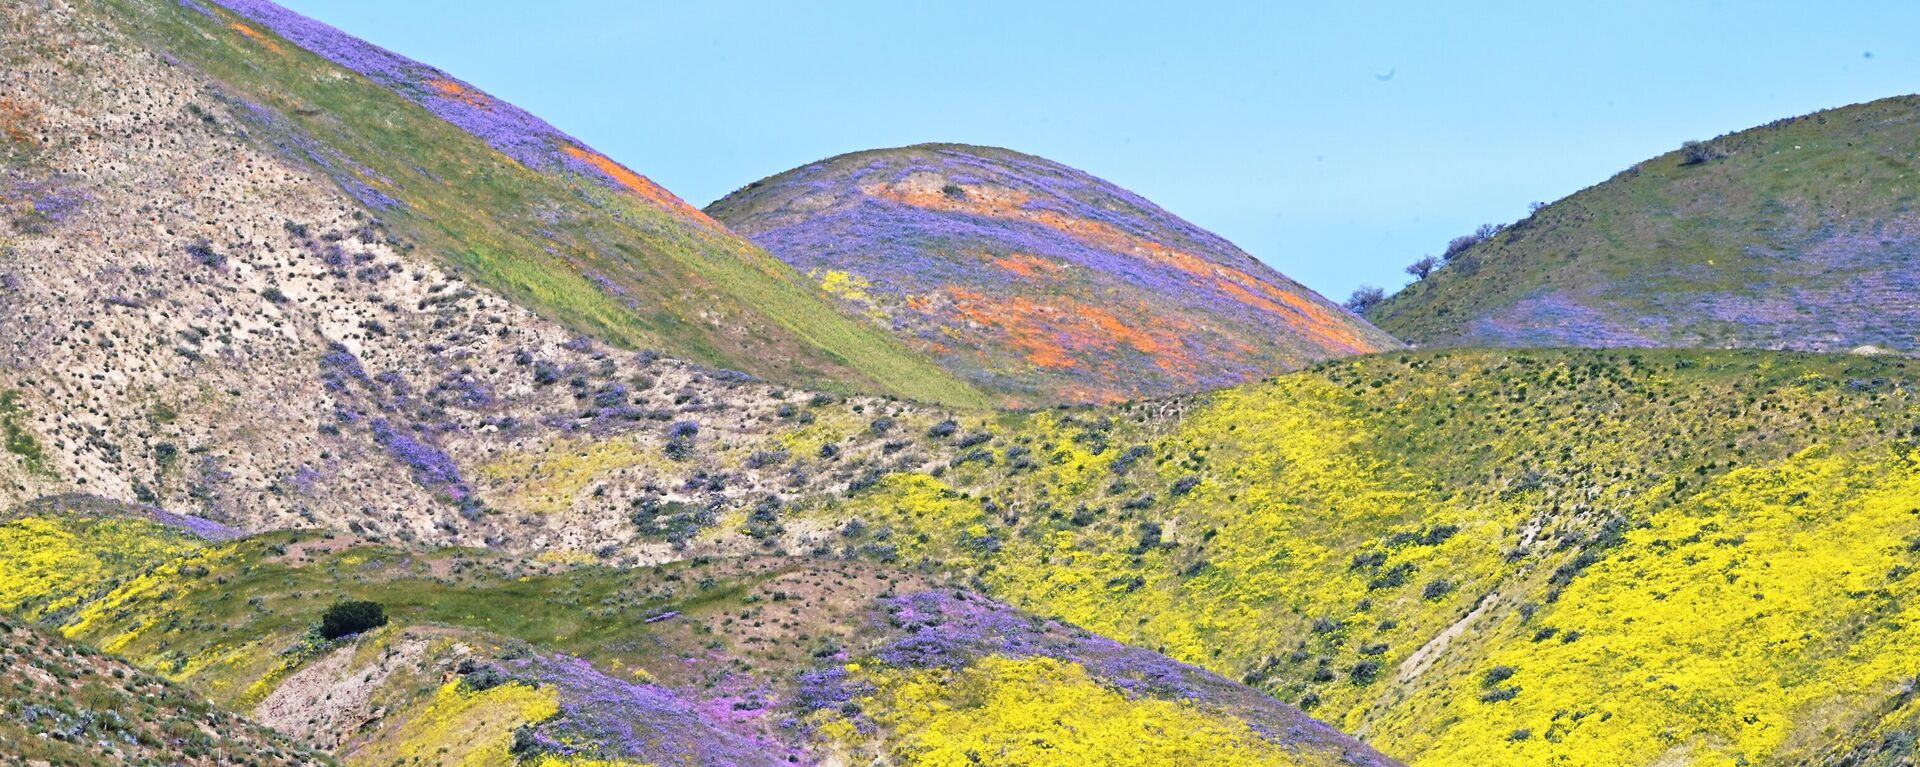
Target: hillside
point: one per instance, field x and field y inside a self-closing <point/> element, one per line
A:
<point x="1577" y="558"/>
<point x="195" y="104"/>
<point x="1036" y="280"/>
<point x="205" y="312"/>
<point x="67" y="704"/>
<point x="291" y="322"/>
<point x="491" y="659"/>
<point x="1800" y="234"/>
<point x="1446" y="553"/>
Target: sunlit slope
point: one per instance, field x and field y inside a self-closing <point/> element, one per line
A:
<point x="1036" y="280"/>
<point x="522" y="208"/>
<point x="1800" y="234"/>
<point x="492" y="659"/>
<point x="1555" y="557"/>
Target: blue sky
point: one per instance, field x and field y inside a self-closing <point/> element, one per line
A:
<point x="1336" y="141"/>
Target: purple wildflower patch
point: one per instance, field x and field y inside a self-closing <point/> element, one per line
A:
<point x="431" y="467"/>
<point x="603" y="717"/>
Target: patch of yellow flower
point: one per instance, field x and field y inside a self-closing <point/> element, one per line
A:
<point x="51" y="564"/>
<point x="458" y="727"/>
<point x="1740" y="627"/>
<point x="1044" y="712"/>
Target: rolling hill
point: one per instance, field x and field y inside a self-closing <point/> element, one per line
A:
<point x="479" y="186"/>
<point x="292" y="322"/>
<point x="1799" y="234"/>
<point x="489" y="659"/>
<point x="1036" y="280"/>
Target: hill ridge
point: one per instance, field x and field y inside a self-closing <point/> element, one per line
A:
<point x="1799" y="234"/>
<point x="1036" y="279"/>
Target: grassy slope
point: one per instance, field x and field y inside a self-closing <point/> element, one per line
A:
<point x="1802" y="236"/>
<point x="221" y="617"/>
<point x="1665" y="552"/>
<point x="609" y="263"/>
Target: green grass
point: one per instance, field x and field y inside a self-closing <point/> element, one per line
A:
<point x="18" y="438"/>
<point x="698" y="293"/>
<point x="1799" y="236"/>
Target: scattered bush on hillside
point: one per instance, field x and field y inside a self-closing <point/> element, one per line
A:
<point x="479" y="677"/>
<point x="1423" y="267"/>
<point x="1185" y="485"/>
<point x="1461" y="244"/>
<point x="351" y="617"/>
<point x="1697" y="152"/>
<point x="1498" y="694"/>
<point x="1364" y="298"/>
<point x="204" y="254"/>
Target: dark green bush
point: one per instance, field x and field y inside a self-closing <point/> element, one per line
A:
<point x="352" y="617"/>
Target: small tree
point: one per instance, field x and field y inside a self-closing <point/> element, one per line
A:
<point x="352" y="617"/>
<point x="1458" y="245"/>
<point x="1364" y="298"/>
<point x="1423" y="267"/>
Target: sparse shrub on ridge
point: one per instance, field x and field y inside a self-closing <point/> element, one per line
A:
<point x="1364" y="298"/>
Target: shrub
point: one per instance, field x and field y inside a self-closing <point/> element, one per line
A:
<point x="1423" y="267"/>
<point x="1498" y="694"/>
<point x="1185" y="485"/>
<point x="351" y="617"/>
<point x="1696" y="152"/>
<point x="1364" y="672"/>
<point x="203" y="253"/>
<point x="1364" y="298"/>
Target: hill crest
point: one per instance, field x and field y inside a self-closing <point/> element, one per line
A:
<point x="1038" y="280"/>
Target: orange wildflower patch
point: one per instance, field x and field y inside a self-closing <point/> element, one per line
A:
<point x="640" y="184"/>
<point x="256" y="36"/>
<point x="1027" y="266"/>
<point x="1055" y="334"/>
<point x="1325" y="325"/>
<point x="454" y="90"/>
<point x="17" y="122"/>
